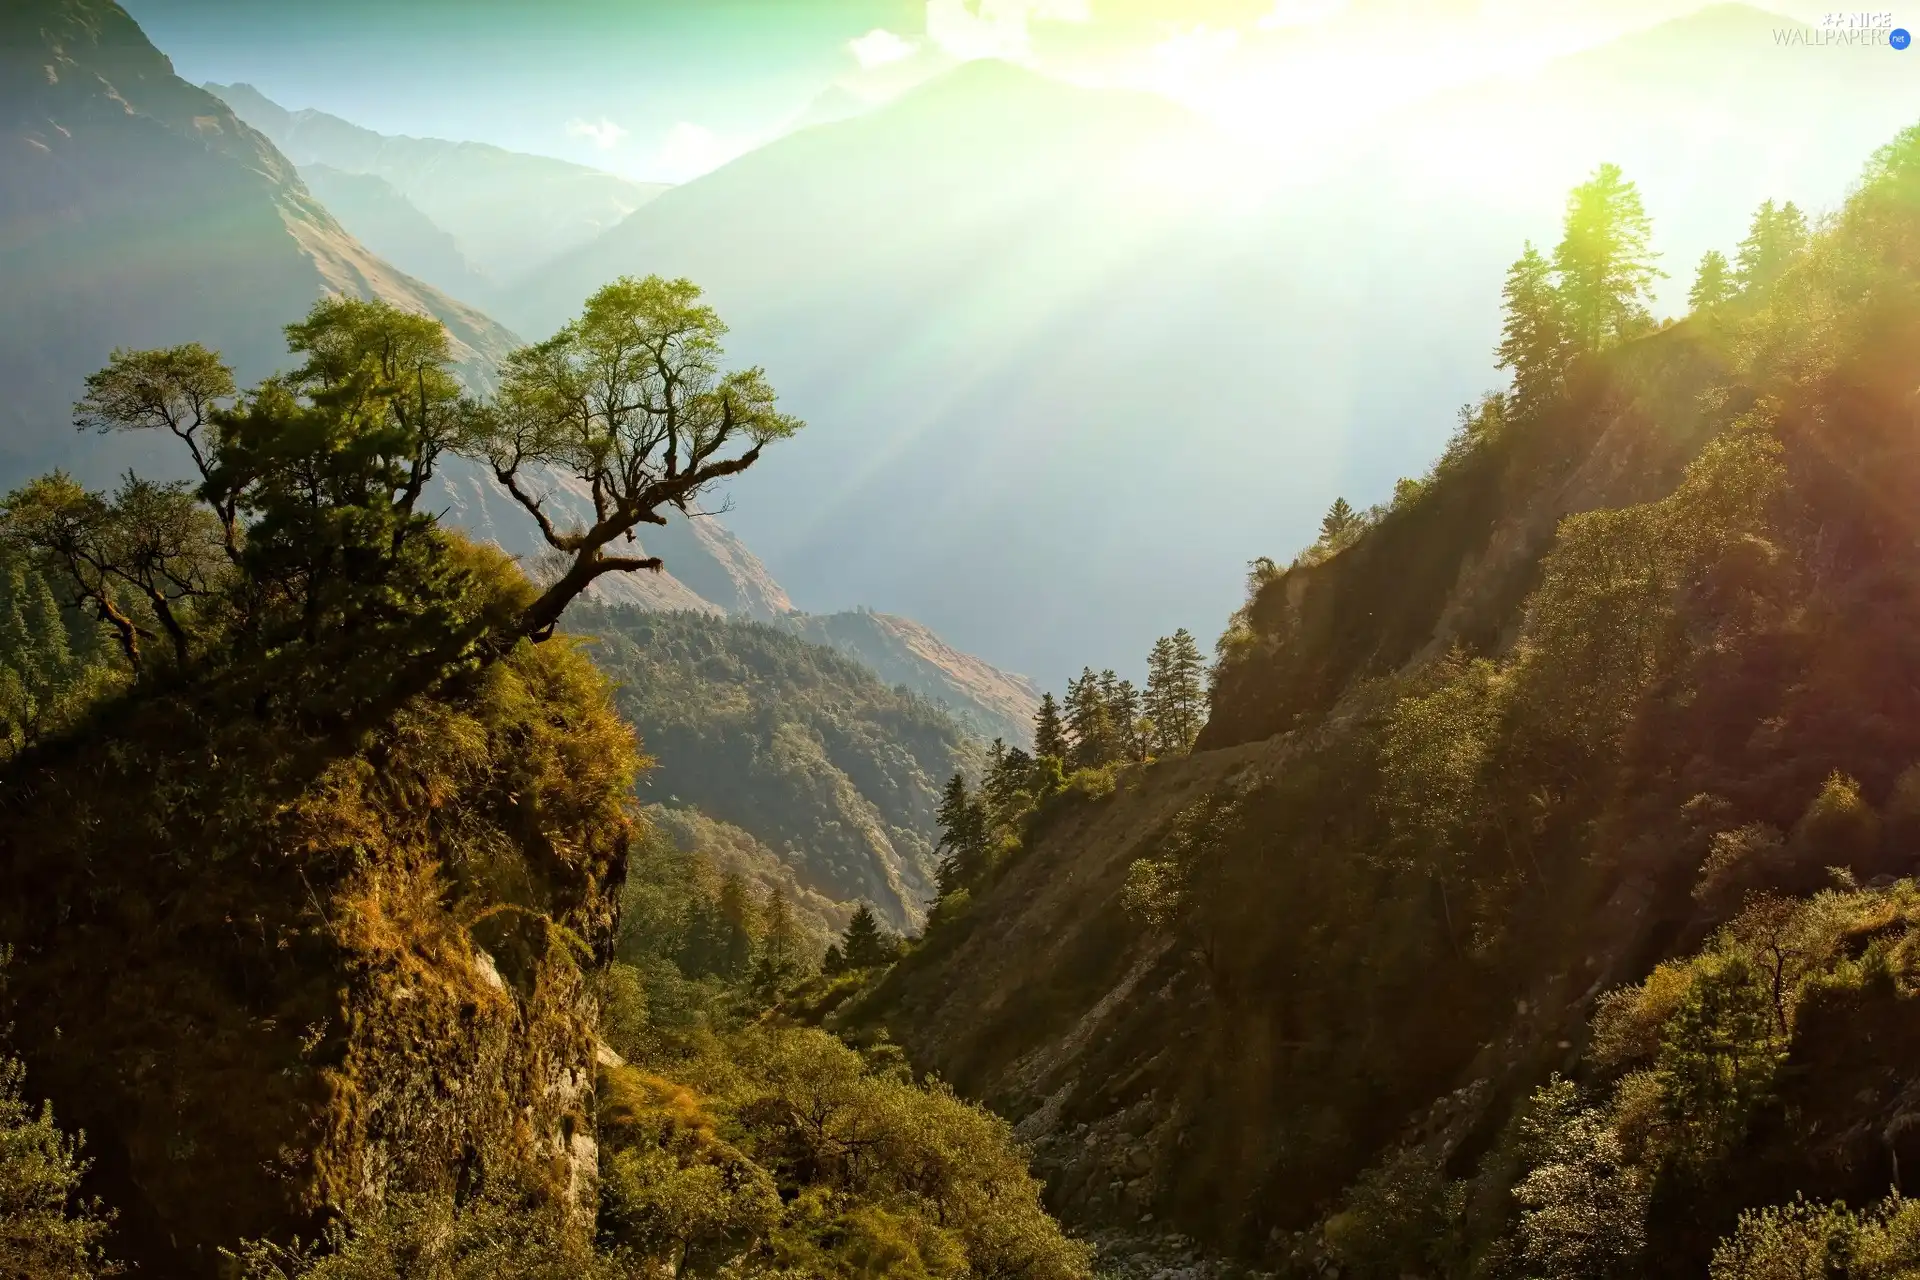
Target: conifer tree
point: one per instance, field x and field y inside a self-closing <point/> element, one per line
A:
<point x="1533" y="337"/>
<point x="1604" y="261"/>
<point x="1123" y="714"/>
<point x="739" y="919"/>
<point x="1712" y="283"/>
<point x="1184" y="700"/>
<point x="1156" y="704"/>
<point x="963" y="837"/>
<point x="1775" y="239"/>
<point x="1086" y="709"/>
<point x="1049" y="735"/>
<point x="1009" y="784"/>
<point x="1339" y="524"/>
<point x="866" y="945"/>
<point x="782" y="946"/>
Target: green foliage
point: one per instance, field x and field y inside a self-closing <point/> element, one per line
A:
<point x="1176" y="693"/>
<point x="1839" y="827"/>
<point x="1583" y="1204"/>
<point x="52" y="663"/>
<point x="630" y="400"/>
<point x="867" y="944"/>
<point x="1534" y="339"/>
<point x="1811" y="1241"/>
<point x="1777" y="238"/>
<point x="1713" y="282"/>
<point x="49" y="1230"/>
<point x="497" y="1236"/>
<point x="1604" y="261"/>
<point x="1400" y="1217"/>
<point x="780" y="1151"/>
<point x="798" y="745"/>
<point x="1049" y="731"/>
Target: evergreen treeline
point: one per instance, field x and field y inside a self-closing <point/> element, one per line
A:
<point x="1103" y="723"/>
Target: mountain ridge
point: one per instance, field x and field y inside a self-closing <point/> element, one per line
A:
<point x="509" y="211"/>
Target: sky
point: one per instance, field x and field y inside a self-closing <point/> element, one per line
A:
<point x="666" y="90"/>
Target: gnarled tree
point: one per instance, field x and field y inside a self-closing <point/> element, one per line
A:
<point x="630" y="403"/>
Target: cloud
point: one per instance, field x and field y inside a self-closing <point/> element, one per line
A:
<point x="689" y="150"/>
<point x="604" y="133"/>
<point x="968" y="29"/>
<point x="879" y="47"/>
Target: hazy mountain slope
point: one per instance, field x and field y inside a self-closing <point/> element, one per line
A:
<point x="1053" y="360"/>
<point x="378" y="216"/>
<point x="835" y="771"/>
<point x="1293" y="994"/>
<point x="900" y="651"/>
<point x="508" y="211"/>
<point x="136" y="210"/>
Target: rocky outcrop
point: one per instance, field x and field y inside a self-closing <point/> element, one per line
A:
<point x="278" y="979"/>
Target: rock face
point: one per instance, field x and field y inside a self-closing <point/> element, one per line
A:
<point x="138" y="211"/>
<point x="276" y="978"/>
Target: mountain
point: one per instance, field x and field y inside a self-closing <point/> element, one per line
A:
<point x="1070" y="357"/>
<point x="509" y="212"/>
<point x="375" y="213"/>
<point x="901" y="652"/>
<point x="795" y="744"/>
<point x="1543" y="896"/>
<point x="137" y="210"/>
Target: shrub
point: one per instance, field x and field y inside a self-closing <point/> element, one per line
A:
<point x="1839" y="828"/>
<point x="1739" y="861"/>
<point x="1626" y="1028"/>
<point x="48" y="1230"/>
<point x="498" y="1236"/>
<point x="1787" y="1242"/>
<point x="1402" y="1216"/>
<point x="1583" y="1203"/>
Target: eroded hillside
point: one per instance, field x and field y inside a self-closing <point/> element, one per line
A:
<point x="1628" y="680"/>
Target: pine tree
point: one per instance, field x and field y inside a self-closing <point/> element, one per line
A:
<point x="1086" y="709"/>
<point x="1186" y="693"/>
<point x="1533" y="338"/>
<point x="1776" y="238"/>
<point x="866" y="945"/>
<point x="1158" y="702"/>
<point x="1712" y="283"/>
<point x="1049" y="737"/>
<point x="1009" y="785"/>
<point x="1605" y="261"/>
<point x="1339" y="524"/>
<point x="963" y="837"/>
<point x="739" y="917"/>
<point x="1123" y="715"/>
<point x="782" y="948"/>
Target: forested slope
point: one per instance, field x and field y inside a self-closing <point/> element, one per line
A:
<point x="793" y="742"/>
<point x="1593" y="753"/>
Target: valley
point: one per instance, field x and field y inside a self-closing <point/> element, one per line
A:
<point x="469" y="808"/>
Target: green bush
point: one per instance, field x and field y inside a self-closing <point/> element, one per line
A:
<point x="1839" y="828"/>
<point x="48" y="1229"/>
